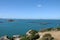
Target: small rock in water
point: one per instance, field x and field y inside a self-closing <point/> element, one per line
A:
<point x="10" y="20"/>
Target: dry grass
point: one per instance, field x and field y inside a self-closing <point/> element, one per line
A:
<point x="55" y="34"/>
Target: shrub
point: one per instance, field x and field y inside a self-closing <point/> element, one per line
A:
<point x="47" y="37"/>
<point x="25" y="38"/>
<point x="33" y="32"/>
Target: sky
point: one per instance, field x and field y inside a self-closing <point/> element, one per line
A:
<point x="30" y="9"/>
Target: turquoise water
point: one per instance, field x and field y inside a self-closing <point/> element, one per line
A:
<point x="21" y="26"/>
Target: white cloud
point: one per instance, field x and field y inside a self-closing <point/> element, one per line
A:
<point x="39" y="5"/>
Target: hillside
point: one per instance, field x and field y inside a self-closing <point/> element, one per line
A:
<point x="55" y="32"/>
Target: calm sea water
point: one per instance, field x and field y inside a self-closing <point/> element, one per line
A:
<point x="21" y="26"/>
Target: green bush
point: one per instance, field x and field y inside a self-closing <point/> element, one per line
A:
<point x="25" y="38"/>
<point x="33" y="32"/>
<point x="47" y="37"/>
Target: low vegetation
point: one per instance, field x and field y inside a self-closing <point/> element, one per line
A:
<point x="47" y="37"/>
<point x="51" y="29"/>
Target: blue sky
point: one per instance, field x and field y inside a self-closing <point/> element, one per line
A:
<point x="30" y="9"/>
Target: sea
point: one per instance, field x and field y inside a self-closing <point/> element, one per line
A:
<point x="21" y="26"/>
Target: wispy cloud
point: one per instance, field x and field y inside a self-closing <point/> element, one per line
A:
<point x="39" y="5"/>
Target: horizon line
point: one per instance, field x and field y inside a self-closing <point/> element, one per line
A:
<point x="31" y="18"/>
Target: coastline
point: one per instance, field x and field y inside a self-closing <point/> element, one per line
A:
<point x="38" y="35"/>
